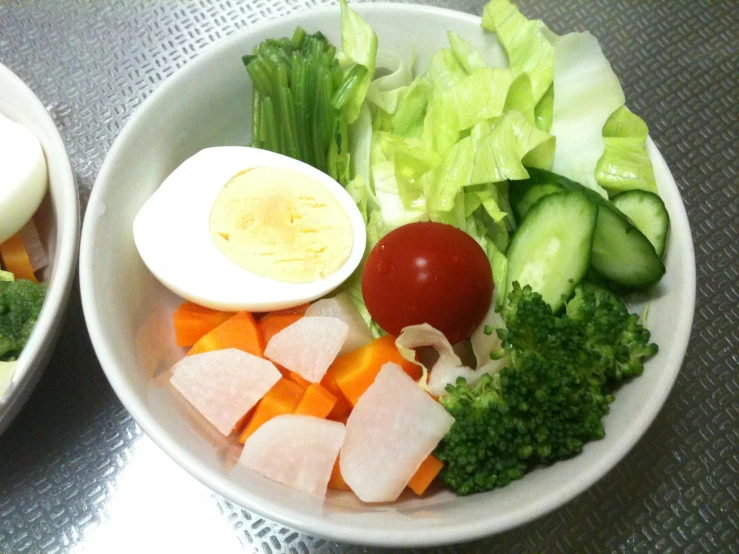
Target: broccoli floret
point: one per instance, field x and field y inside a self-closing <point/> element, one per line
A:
<point x="20" y="305"/>
<point x="551" y="398"/>
<point x="611" y="331"/>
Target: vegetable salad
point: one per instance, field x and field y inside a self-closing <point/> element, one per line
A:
<point x="509" y="202"/>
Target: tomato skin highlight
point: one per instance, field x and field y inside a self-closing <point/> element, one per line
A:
<point x="428" y="273"/>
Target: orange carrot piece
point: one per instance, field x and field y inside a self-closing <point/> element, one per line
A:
<point x="336" y="481"/>
<point x="425" y="474"/>
<point x="356" y="371"/>
<point x="281" y="399"/>
<point x="298" y="378"/>
<point x="273" y="323"/>
<point x="15" y="258"/>
<point x="342" y="408"/>
<point x="239" y="331"/>
<point x="341" y="419"/>
<point x="239" y="427"/>
<point x="316" y="401"/>
<point x="192" y="322"/>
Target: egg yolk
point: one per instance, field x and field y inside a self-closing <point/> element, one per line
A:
<point x="281" y="224"/>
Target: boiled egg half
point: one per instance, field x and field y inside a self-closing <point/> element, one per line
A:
<point x="23" y="176"/>
<point x="238" y="228"/>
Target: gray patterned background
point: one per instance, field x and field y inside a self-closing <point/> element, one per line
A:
<point x="78" y="475"/>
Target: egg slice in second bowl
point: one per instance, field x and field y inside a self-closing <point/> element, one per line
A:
<point x="239" y="228"/>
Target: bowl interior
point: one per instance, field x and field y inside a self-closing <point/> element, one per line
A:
<point x="128" y="312"/>
<point x="58" y="223"/>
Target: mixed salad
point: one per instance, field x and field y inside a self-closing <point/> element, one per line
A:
<point x="22" y="254"/>
<point x="509" y="200"/>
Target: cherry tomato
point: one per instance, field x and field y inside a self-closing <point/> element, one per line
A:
<point x="428" y="273"/>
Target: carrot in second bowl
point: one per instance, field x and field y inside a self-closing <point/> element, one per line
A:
<point x="15" y="258"/>
<point x="239" y="331"/>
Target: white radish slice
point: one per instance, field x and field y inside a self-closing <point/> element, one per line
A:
<point x="392" y="429"/>
<point x="296" y="450"/>
<point x="35" y="248"/>
<point x="447" y="367"/>
<point x="341" y="307"/>
<point x="308" y="346"/>
<point x="224" y="384"/>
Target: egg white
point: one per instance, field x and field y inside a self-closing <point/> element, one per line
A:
<point x="172" y="235"/>
<point x="23" y="176"/>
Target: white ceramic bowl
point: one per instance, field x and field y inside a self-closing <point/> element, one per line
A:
<point x="58" y="223"/>
<point x="128" y="312"/>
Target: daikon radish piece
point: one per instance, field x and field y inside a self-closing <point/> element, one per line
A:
<point x="341" y="307"/>
<point x="35" y="248"/>
<point x="296" y="450"/>
<point x="224" y="384"/>
<point x="308" y="346"/>
<point x="392" y="429"/>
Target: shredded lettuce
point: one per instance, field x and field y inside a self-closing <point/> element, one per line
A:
<point x="409" y="116"/>
<point x="625" y="163"/>
<point x="445" y="70"/>
<point x="544" y="110"/>
<point x="466" y="54"/>
<point x="359" y="46"/>
<point x="492" y="152"/>
<point x="586" y="93"/>
<point x="526" y="42"/>
<point x="386" y="92"/>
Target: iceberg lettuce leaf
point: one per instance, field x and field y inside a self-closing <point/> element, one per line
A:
<point x="386" y="92"/>
<point x="625" y="163"/>
<point x="527" y="43"/>
<point x="359" y="45"/>
<point x="467" y="55"/>
<point x="492" y="152"/>
<point x="586" y="93"/>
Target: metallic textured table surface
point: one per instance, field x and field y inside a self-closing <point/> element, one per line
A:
<point x="78" y="475"/>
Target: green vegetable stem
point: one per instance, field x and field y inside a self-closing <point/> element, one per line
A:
<point x="298" y="101"/>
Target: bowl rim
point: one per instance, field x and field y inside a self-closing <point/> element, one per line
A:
<point x="32" y="360"/>
<point x="455" y="533"/>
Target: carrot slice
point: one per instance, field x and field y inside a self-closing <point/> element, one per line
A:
<point x="336" y="481"/>
<point x="316" y="401"/>
<point x="192" y="322"/>
<point x="297" y="378"/>
<point x="356" y="371"/>
<point x="282" y="398"/>
<point x="15" y="258"/>
<point x="425" y="474"/>
<point x="342" y="408"/>
<point x="273" y="323"/>
<point x="239" y="331"/>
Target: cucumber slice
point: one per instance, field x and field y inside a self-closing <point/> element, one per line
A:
<point x="531" y="196"/>
<point x="551" y="249"/>
<point x="621" y="252"/>
<point x="648" y="213"/>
